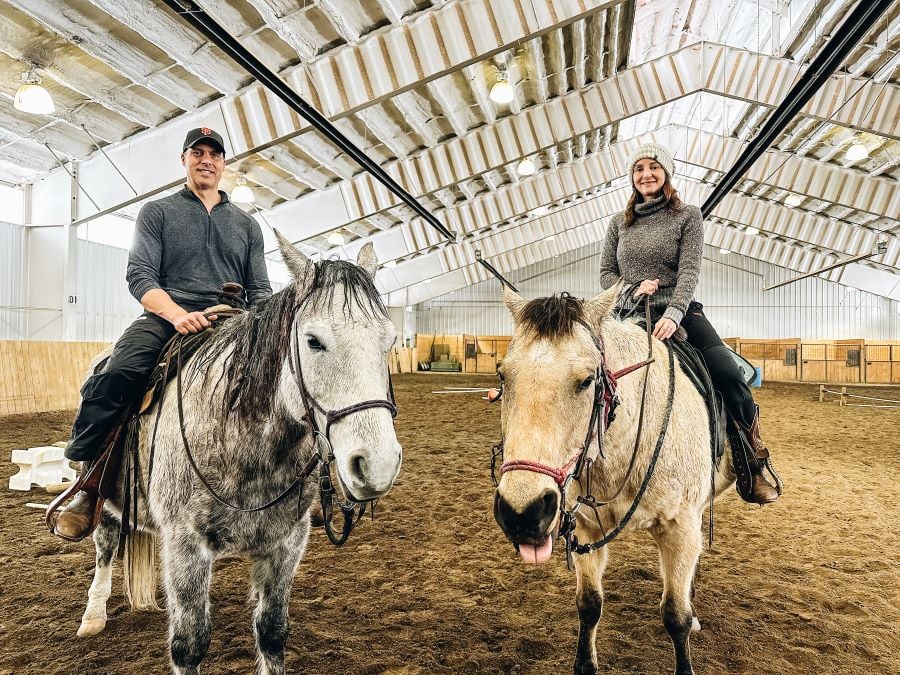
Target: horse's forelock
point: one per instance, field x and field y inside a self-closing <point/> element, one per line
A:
<point x="359" y="289"/>
<point x="554" y="316"/>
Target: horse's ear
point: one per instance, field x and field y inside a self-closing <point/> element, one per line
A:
<point x="298" y="265"/>
<point x="514" y="302"/>
<point x="367" y="259"/>
<point x="600" y="306"/>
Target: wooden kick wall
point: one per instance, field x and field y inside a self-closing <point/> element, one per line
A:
<point x="42" y="376"/>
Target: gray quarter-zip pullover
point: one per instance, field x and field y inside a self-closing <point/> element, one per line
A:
<point x="189" y="252"/>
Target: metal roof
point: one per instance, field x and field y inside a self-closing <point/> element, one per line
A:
<point x="409" y="80"/>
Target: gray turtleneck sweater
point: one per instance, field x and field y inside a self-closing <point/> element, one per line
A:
<point x="660" y="244"/>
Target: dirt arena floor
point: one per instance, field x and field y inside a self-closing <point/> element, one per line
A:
<point x="808" y="585"/>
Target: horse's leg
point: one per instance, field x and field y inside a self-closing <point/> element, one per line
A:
<point x="106" y="538"/>
<point x="679" y="543"/>
<point x="271" y="578"/>
<point x="589" y="569"/>
<point x="187" y="566"/>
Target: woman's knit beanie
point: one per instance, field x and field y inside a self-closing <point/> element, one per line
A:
<point x="652" y="151"/>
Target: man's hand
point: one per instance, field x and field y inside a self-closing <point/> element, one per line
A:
<point x="648" y="287"/>
<point x="191" y="322"/>
<point x="664" y="329"/>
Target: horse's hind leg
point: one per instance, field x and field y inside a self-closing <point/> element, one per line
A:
<point x="106" y="538"/>
<point x="679" y="543"/>
<point x="589" y="569"/>
<point x="271" y="578"/>
<point x="187" y="566"/>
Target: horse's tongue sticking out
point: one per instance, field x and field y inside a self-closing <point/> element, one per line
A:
<point x="537" y="554"/>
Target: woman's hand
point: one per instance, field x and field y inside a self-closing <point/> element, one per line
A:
<point x="664" y="329"/>
<point x="648" y="287"/>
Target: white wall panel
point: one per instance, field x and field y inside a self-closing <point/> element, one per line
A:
<point x="730" y="289"/>
<point x="105" y="307"/>
<point x="12" y="282"/>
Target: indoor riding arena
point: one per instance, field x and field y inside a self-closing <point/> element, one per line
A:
<point x="463" y="212"/>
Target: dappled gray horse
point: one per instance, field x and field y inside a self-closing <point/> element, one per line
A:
<point x="319" y="347"/>
<point x="556" y="377"/>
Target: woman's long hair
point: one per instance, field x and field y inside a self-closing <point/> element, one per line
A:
<point x="673" y="201"/>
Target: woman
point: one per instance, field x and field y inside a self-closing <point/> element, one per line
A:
<point x="658" y="242"/>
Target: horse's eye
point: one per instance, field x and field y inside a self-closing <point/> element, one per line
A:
<point x="586" y="383"/>
<point x="314" y="344"/>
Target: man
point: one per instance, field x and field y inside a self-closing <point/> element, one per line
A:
<point x="186" y="246"/>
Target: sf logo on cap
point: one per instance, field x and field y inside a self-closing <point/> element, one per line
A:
<point x="206" y="131"/>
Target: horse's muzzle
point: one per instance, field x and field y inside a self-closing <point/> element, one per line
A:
<point x="530" y="525"/>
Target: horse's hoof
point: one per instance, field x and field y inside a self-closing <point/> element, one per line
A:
<point x="695" y="624"/>
<point x="91" y="627"/>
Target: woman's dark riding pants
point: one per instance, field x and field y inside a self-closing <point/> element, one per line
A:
<point x="724" y="372"/>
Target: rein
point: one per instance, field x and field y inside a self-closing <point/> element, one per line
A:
<point x="352" y="511"/>
<point x="602" y="415"/>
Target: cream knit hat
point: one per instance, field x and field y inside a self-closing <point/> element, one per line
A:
<point x="652" y="151"/>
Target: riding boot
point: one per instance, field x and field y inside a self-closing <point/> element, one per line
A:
<point x="762" y="492"/>
<point x="76" y="521"/>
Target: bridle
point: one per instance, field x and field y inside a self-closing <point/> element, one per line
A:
<point x="351" y="509"/>
<point x="323" y="453"/>
<point x="603" y="410"/>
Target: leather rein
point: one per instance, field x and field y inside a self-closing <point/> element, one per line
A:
<point x="602" y="415"/>
<point x="351" y="510"/>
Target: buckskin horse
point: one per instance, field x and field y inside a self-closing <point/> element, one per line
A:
<point x="224" y="462"/>
<point x="567" y="479"/>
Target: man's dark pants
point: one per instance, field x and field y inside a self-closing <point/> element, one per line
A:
<point x="107" y="394"/>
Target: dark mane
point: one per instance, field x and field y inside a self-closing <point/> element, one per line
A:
<point x="260" y="339"/>
<point x="553" y="317"/>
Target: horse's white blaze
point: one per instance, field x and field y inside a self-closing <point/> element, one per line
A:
<point x="94" y="619"/>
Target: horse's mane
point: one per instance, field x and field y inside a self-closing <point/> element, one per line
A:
<point x="552" y="317"/>
<point x="260" y="339"/>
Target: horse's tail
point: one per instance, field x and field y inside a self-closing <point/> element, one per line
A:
<point x="140" y="570"/>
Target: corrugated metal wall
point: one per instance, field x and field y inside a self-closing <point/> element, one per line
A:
<point x="105" y="307"/>
<point x="730" y="289"/>
<point x="12" y="282"/>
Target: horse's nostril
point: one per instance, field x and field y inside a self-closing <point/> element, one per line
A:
<point x="550" y="501"/>
<point x="358" y="466"/>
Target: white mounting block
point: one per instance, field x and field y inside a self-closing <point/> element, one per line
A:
<point x="41" y="466"/>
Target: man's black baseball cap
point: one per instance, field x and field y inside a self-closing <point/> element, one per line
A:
<point x="205" y="134"/>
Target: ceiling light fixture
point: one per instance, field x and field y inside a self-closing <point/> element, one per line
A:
<point x="31" y="97"/>
<point x="856" y="152"/>
<point x="724" y="251"/>
<point x="793" y="199"/>
<point x="526" y="167"/>
<point x="751" y="231"/>
<point x="502" y="91"/>
<point x="539" y="211"/>
<point x="242" y="194"/>
<point x="335" y="238"/>
<point x="390" y="264"/>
